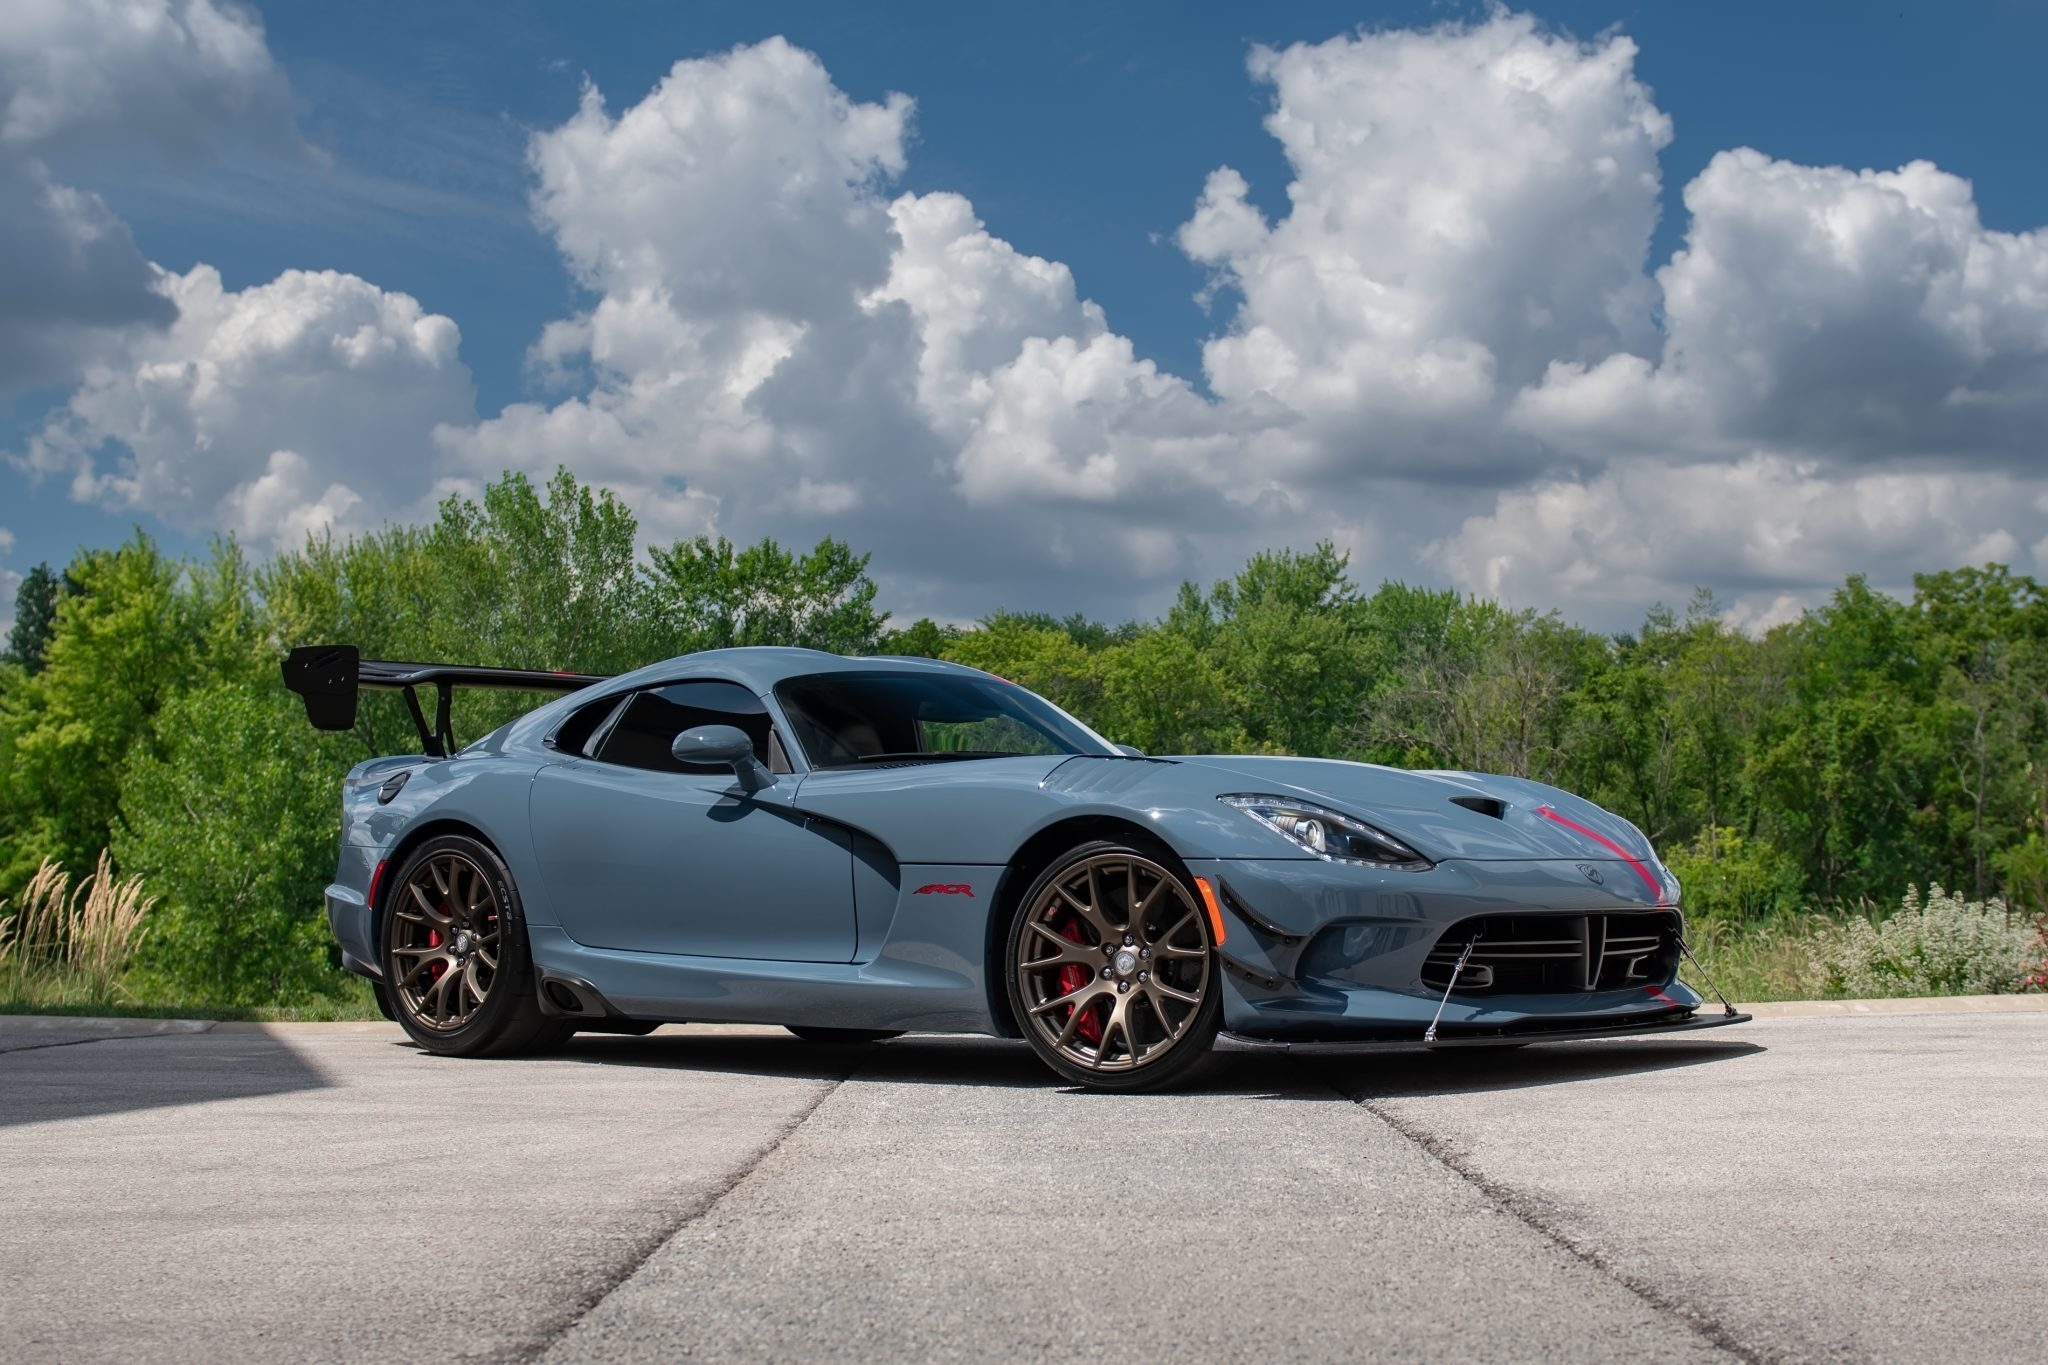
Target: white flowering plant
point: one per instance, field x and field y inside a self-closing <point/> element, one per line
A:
<point x="1939" y="945"/>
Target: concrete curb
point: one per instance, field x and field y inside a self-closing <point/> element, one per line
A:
<point x="1926" y="1004"/>
<point x="96" y="1024"/>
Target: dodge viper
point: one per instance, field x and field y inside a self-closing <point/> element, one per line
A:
<point x="855" y="848"/>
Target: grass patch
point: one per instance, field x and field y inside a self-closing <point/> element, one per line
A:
<point x="51" y="993"/>
<point x="1772" y="960"/>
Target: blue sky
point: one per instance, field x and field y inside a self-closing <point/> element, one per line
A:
<point x="1081" y="137"/>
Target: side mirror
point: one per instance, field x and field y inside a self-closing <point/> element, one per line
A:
<point x="726" y="744"/>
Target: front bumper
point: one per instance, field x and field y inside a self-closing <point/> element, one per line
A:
<point x="1326" y="953"/>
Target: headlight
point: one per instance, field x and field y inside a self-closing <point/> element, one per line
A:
<point x="1332" y="837"/>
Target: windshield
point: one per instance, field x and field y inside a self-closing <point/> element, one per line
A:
<point x="848" y="720"/>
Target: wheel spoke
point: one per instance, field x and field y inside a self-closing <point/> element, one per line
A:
<point x="432" y="911"/>
<point x="433" y="955"/>
<point x="1068" y="950"/>
<point x="1088" y="912"/>
<point x="1073" y="1025"/>
<point x="1080" y="997"/>
<point x="1166" y="1025"/>
<point x="1173" y="994"/>
<point x="1118" y="1025"/>
<point x="1159" y="888"/>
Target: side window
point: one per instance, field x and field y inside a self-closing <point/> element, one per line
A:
<point x="642" y="731"/>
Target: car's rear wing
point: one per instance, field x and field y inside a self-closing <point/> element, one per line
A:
<point x="331" y="678"/>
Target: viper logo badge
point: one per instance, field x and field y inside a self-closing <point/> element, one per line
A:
<point x="1592" y="874"/>
<point x="946" y="889"/>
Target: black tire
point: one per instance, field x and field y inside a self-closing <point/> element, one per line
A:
<point x="811" y="1033"/>
<point x="454" y="904"/>
<point x="383" y="996"/>
<point x="1167" y="1041"/>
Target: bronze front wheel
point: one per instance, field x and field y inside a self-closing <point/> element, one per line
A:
<point x="1112" y="969"/>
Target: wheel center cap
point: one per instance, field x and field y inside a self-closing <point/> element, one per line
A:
<point x="463" y="942"/>
<point x="1126" y="962"/>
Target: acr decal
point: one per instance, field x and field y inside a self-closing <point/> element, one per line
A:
<point x="945" y="889"/>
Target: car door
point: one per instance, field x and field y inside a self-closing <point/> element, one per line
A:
<point x="642" y="853"/>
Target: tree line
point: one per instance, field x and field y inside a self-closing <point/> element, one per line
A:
<point x="1834" y="761"/>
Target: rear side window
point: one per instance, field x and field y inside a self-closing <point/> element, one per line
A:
<point x="639" y="734"/>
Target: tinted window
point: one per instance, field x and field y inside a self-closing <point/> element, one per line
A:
<point x="848" y="719"/>
<point x="641" y="734"/>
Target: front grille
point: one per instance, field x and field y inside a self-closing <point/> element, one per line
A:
<point x="1556" y="954"/>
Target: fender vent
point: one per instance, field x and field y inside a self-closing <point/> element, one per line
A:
<point x="393" y="785"/>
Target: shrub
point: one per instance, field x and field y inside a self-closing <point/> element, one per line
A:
<point x="1726" y="876"/>
<point x="1944" y="945"/>
<point x="235" y="823"/>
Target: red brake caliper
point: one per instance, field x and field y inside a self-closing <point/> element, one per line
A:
<point x="1073" y="977"/>
<point x="439" y="965"/>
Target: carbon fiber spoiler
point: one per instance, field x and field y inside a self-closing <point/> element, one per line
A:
<point x="331" y="678"/>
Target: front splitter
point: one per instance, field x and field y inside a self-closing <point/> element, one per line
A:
<point x="1233" y="1042"/>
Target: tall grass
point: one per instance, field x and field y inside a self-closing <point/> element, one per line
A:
<point x="73" y="944"/>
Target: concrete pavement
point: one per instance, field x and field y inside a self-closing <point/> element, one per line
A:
<point x="1860" y="1187"/>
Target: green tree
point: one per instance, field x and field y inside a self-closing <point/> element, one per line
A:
<point x="1287" y="637"/>
<point x="710" y="594"/>
<point x="1163" y="695"/>
<point x="138" y="628"/>
<point x="1045" y="659"/>
<point x="231" y="820"/>
<point x="35" y="617"/>
<point x="924" y="638"/>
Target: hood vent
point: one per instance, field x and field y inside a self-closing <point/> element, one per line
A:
<point x="1485" y="805"/>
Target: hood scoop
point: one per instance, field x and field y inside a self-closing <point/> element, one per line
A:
<point x="1486" y="805"/>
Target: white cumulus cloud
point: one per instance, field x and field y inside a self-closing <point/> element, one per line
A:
<point x="266" y="411"/>
<point x="168" y="75"/>
<point x="1450" y="350"/>
<point x="1469" y="205"/>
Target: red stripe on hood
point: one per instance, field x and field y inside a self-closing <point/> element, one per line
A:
<point x="1649" y="878"/>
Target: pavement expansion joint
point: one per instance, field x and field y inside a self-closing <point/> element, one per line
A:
<point x="1531" y="1213"/>
<point x="644" y="1251"/>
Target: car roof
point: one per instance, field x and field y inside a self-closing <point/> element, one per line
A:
<point x="761" y="667"/>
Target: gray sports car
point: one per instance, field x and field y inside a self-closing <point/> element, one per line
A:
<point x="855" y="848"/>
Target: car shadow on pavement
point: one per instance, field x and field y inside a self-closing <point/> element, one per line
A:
<point x="918" y="1059"/>
<point x="1408" y="1075"/>
<point x="936" y="1059"/>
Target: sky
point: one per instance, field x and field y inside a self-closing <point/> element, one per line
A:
<point x="1583" y="307"/>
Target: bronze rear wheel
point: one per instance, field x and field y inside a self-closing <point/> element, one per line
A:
<point x="446" y="940"/>
<point x="457" y="969"/>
